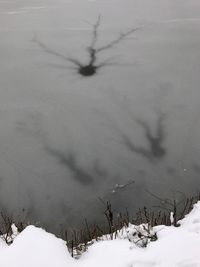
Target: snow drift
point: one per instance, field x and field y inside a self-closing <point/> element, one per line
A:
<point x="175" y="247"/>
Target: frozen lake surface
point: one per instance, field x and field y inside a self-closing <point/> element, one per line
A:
<point x="127" y="132"/>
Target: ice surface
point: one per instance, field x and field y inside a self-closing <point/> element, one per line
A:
<point x="66" y="140"/>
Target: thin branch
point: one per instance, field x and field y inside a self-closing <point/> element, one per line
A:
<point x="49" y="50"/>
<point x="121" y="37"/>
<point x="76" y="62"/>
<point x="95" y="32"/>
<point x="107" y="62"/>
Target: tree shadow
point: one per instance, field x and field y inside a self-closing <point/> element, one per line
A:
<point x="70" y="162"/>
<point x="155" y="141"/>
<point x="91" y="67"/>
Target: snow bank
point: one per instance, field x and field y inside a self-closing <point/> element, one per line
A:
<point x="175" y="247"/>
<point x="34" y="248"/>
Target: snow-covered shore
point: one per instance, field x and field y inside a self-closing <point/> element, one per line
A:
<point x="174" y="247"/>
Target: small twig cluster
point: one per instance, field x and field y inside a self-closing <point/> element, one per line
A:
<point x="8" y="229"/>
<point x="79" y="241"/>
<point x="172" y="211"/>
<point x="138" y="230"/>
<point x="141" y="235"/>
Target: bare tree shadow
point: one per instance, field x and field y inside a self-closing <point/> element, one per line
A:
<point x="89" y="68"/>
<point x="70" y="162"/>
<point x="155" y="141"/>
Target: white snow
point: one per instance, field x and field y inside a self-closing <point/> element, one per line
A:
<point x="34" y="247"/>
<point x="175" y="247"/>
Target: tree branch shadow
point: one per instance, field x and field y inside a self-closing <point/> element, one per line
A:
<point x="91" y="67"/>
<point x="70" y="162"/>
<point x="155" y="141"/>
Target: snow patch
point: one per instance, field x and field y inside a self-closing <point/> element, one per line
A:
<point x="174" y="247"/>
